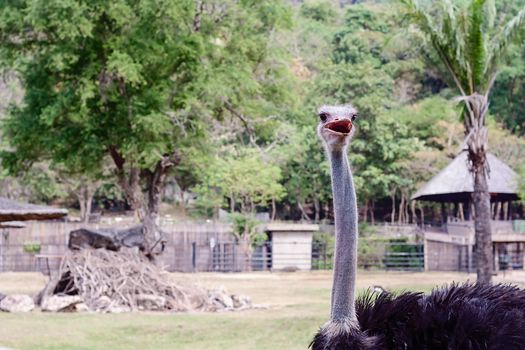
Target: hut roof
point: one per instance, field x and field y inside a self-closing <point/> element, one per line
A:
<point x="11" y="210"/>
<point x="454" y="183"/>
<point x="12" y="224"/>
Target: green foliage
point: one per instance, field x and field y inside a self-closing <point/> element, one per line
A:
<point x="405" y="255"/>
<point x="246" y="226"/>
<point x="466" y="37"/>
<point x="138" y="80"/>
<point x="370" y="253"/>
<point x="421" y="118"/>
<point x="319" y="10"/>
<point x="508" y="94"/>
<point x="307" y="175"/>
<point x="32" y="247"/>
<point x="508" y="147"/>
<point x="324" y="243"/>
<point x="226" y="95"/>
<point x="245" y="179"/>
<point x="99" y="80"/>
<point x="373" y="252"/>
<point x="367" y="75"/>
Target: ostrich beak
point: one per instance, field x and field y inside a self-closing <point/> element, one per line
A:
<point x="342" y="126"/>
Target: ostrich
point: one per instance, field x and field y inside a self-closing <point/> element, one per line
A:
<point x="465" y="317"/>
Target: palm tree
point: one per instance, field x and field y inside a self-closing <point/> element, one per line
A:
<point x="465" y="36"/>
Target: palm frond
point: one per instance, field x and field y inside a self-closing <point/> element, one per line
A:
<point x="440" y="28"/>
<point x="476" y="48"/>
<point x="501" y="41"/>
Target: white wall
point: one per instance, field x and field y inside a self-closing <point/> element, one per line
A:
<point x="292" y="249"/>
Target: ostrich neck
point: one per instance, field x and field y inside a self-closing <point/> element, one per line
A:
<point x="345" y="212"/>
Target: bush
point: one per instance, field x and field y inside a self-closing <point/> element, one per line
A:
<point x="322" y="251"/>
<point x="32" y="247"/>
<point x="399" y="254"/>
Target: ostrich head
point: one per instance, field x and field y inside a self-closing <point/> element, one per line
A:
<point x="336" y="126"/>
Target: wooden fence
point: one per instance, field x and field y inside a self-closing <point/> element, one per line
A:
<point x="190" y="246"/>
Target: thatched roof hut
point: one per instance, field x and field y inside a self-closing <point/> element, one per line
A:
<point x="11" y="210"/>
<point x="454" y="183"/>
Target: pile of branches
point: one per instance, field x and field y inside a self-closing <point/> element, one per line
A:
<point x="109" y="281"/>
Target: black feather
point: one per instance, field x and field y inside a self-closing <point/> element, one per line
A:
<point x="462" y="317"/>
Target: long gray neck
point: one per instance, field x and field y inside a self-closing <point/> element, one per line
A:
<point x="345" y="211"/>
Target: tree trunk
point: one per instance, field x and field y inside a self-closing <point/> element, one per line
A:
<point x="365" y="211"/>
<point x="274" y="210"/>
<point x="246" y="248"/>
<point x="405" y="207"/>
<point x="182" y="202"/>
<point x="317" y="208"/>
<point x="304" y="216"/>
<point x="90" y="192"/>
<point x="401" y="219"/>
<point x="413" y="212"/>
<point x="232" y="203"/>
<point x="82" y="204"/>
<point x="84" y="194"/>
<point x="129" y="179"/>
<point x="477" y="142"/>
<point x="154" y="241"/>
<point x="393" y="214"/>
<point x="481" y="199"/>
<point x="252" y="206"/>
<point x="372" y="216"/>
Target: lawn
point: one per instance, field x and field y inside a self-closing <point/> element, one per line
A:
<point x="297" y="303"/>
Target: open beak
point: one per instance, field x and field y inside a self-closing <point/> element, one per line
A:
<point x="342" y="126"/>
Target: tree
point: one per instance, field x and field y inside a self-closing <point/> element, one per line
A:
<point x="507" y="99"/>
<point x="320" y="11"/>
<point x="306" y="175"/>
<point x="247" y="232"/>
<point x="244" y="179"/>
<point x="135" y="81"/>
<point x="83" y="183"/>
<point x="466" y="39"/>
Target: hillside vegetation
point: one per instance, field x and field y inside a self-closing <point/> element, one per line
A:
<point x="211" y="105"/>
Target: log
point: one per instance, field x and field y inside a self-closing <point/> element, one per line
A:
<point x="110" y="239"/>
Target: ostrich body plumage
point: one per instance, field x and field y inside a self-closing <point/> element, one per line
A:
<point x="456" y="317"/>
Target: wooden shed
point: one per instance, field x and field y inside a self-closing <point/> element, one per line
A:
<point x="291" y="245"/>
<point x="11" y="213"/>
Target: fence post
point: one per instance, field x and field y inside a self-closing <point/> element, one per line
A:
<point x="469" y="257"/>
<point x="425" y="254"/>
<point x="194" y="255"/>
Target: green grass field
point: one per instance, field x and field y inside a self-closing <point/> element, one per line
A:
<point x="297" y="305"/>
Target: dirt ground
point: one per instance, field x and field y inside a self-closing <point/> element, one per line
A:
<point x="296" y="305"/>
<point x="255" y="283"/>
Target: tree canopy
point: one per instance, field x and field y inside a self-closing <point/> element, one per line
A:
<point x="219" y="97"/>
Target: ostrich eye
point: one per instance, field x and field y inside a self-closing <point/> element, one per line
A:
<point x="354" y="116"/>
<point x="323" y="116"/>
